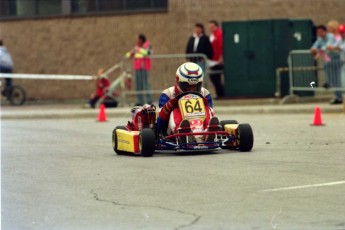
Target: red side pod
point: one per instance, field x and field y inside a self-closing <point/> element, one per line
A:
<point x="136" y="143"/>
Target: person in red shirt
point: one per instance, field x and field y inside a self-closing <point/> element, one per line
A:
<point x="216" y="39"/>
<point x="102" y="84"/>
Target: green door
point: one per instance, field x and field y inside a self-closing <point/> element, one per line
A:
<point x="301" y="38"/>
<point x="248" y="58"/>
<point x="253" y="50"/>
<point x="261" y="64"/>
<point x="236" y="62"/>
<point x="283" y="30"/>
<point x="302" y="34"/>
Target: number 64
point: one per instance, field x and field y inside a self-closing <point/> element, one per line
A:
<point x="189" y="106"/>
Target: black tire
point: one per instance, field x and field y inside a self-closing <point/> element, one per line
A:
<point x="17" y="95"/>
<point x="245" y="137"/>
<point x="114" y="140"/>
<point x="147" y="142"/>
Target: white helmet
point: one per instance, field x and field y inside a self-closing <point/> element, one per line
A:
<point x="189" y="77"/>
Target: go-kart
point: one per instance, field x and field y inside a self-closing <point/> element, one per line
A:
<point x="141" y="136"/>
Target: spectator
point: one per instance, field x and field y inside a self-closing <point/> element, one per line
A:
<point x="340" y="46"/>
<point x="331" y="60"/>
<point x="142" y="66"/>
<point x="332" y="27"/>
<point x="199" y="43"/>
<point x="335" y="64"/>
<point x="6" y="66"/>
<point x="216" y="39"/>
<point x="323" y="40"/>
<point x="102" y="84"/>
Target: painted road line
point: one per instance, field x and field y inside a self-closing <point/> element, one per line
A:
<point x="303" y="186"/>
<point x="46" y="76"/>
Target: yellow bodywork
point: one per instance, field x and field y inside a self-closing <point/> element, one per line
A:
<point x="127" y="140"/>
<point x="231" y="129"/>
<point x="192" y="106"/>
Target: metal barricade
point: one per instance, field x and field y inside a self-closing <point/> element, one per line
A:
<point x="307" y="73"/>
<point x="161" y="76"/>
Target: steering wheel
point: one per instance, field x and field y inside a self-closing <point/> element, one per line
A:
<point x="188" y="92"/>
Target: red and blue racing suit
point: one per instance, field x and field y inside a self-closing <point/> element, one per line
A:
<point x="167" y="110"/>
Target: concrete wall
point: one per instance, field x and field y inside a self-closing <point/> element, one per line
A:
<point x="80" y="45"/>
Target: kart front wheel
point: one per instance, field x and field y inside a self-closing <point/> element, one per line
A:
<point x="245" y="137"/>
<point x="114" y="140"/>
<point x="147" y="142"/>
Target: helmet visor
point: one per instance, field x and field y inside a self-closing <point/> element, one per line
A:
<point x="186" y="87"/>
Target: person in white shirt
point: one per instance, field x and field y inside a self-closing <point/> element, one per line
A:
<point x="332" y="65"/>
<point x="6" y="66"/>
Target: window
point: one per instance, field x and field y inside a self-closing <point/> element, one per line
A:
<point x="37" y="8"/>
<point x="138" y="4"/>
<point x="25" y="8"/>
<point x="99" y="6"/>
<point x="84" y="6"/>
<point x="50" y="7"/>
<point x="7" y="8"/>
<point x="115" y="5"/>
<point x="30" y="8"/>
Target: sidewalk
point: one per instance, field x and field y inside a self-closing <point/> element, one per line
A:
<point x="59" y="111"/>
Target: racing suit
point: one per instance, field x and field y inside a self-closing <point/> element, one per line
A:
<point x="170" y="116"/>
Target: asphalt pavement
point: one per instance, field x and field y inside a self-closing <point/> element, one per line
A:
<point x="55" y="111"/>
<point x="63" y="174"/>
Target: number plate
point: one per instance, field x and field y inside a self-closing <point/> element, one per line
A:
<point x="192" y="106"/>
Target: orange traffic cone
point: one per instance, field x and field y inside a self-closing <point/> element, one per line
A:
<point x="102" y="117"/>
<point x="317" y="117"/>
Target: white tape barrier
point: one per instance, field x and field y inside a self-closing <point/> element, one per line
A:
<point x="47" y="76"/>
<point x="113" y="68"/>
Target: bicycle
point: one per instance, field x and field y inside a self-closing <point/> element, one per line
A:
<point x="15" y="94"/>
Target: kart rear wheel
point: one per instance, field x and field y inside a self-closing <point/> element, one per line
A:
<point x="245" y="137"/>
<point x="227" y="122"/>
<point x="147" y="142"/>
<point x="114" y="140"/>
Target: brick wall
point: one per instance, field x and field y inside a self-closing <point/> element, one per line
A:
<point x="80" y="45"/>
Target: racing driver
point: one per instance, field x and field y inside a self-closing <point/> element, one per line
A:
<point x="189" y="78"/>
